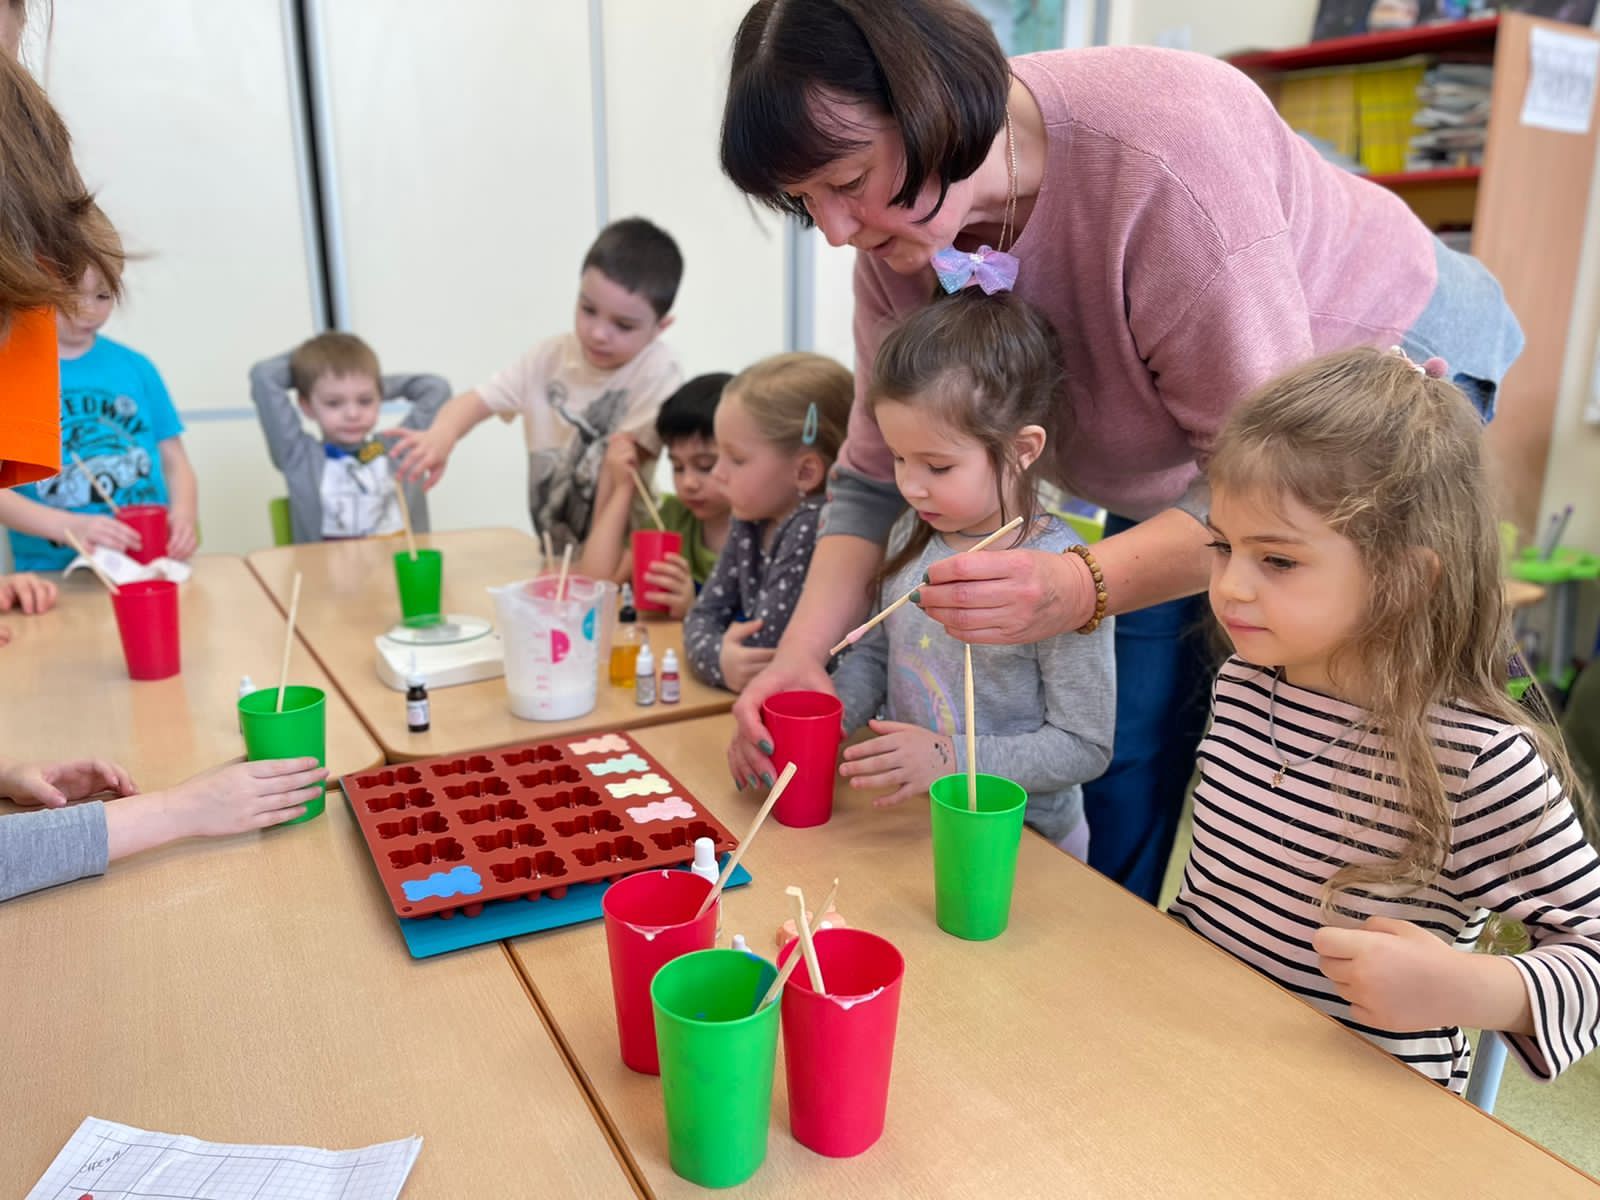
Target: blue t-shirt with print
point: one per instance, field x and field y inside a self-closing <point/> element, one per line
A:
<point x="115" y="413"/>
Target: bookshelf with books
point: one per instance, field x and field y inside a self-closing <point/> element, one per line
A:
<point x="1515" y="194"/>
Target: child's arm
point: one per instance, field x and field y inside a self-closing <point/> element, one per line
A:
<point x="1514" y="857"/>
<point x="42" y="520"/>
<point x="607" y="542"/>
<point x="861" y="679"/>
<point x="711" y="618"/>
<point x="290" y="446"/>
<point x="28" y="592"/>
<point x="183" y="499"/>
<point x="426" y="394"/>
<point x="421" y="454"/>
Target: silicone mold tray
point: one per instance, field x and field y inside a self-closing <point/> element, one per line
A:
<point x="450" y="833"/>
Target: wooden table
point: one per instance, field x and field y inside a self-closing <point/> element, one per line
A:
<point x="67" y="691"/>
<point x="1096" y="1049"/>
<point x="256" y="989"/>
<point x="348" y="598"/>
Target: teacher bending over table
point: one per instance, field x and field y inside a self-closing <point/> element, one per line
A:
<point x="1186" y="244"/>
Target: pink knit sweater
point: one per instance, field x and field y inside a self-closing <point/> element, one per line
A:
<point x="1187" y="246"/>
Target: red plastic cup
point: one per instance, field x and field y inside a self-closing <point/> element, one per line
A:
<point x="806" y="731"/>
<point x="838" y="1048"/>
<point x="649" y="546"/>
<point x="649" y="922"/>
<point x="151" y="522"/>
<point x="147" y="619"/>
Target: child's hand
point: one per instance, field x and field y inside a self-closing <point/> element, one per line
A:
<point x="905" y="757"/>
<point x="182" y="538"/>
<point x="421" y="454"/>
<point x="671" y="584"/>
<point x="54" y="785"/>
<point x="243" y="796"/>
<point x="1396" y="975"/>
<point x="27" y="592"/>
<point x="94" y="531"/>
<point x="622" y="456"/>
<point x="741" y="663"/>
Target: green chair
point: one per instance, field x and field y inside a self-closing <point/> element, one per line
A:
<point x="278" y="517"/>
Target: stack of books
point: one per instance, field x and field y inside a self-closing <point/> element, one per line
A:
<point x="1452" y="115"/>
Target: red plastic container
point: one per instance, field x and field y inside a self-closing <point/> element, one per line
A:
<point x="449" y="834"/>
<point x="805" y="728"/>
<point x="838" y="1048"/>
<point x="151" y="522"/>
<point x="147" y="619"/>
<point x="650" y="545"/>
<point x="649" y="922"/>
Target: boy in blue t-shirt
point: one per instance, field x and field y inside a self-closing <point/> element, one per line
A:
<point x="118" y="419"/>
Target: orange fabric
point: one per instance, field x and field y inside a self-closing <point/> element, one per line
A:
<point x="30" y="399"/>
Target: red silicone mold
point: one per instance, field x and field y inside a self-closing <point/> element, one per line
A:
<point x="449" y="834"/>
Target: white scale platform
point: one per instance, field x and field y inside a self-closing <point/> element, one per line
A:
<point x="460" y="649"/>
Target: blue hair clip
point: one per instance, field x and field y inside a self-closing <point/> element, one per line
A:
<point x="808" y="431"/>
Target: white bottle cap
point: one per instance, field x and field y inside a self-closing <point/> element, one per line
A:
<point x="246" y="685"/>
<point x="740" y="944"/>
<point x="705" y="859"/>
<point x="415" y="681"/>
<point x="669" y="662"/>
<point x="645" y="664"/>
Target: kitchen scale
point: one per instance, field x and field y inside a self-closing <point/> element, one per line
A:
<point x="460" y="649"/>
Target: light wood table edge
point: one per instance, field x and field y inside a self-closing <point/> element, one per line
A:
<point x="591" y="1094"/>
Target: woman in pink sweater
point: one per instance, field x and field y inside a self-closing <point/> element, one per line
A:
<point x="1186" y="244"/>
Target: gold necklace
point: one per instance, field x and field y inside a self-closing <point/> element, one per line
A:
<point x="1007" y="221"/>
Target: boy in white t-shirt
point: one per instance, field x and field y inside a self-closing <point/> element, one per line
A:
<point x="574" y="390"/>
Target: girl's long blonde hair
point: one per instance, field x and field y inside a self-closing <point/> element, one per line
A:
<point x="1392" y="459"/>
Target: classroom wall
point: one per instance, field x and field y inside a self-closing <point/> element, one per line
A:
<point x="1213" y="27"/>
<point x="465" y="148"/>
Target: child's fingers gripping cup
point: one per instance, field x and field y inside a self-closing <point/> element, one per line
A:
<point x="650" y="546"/>
<point x="806" y="730"/>
<point x="975" y="854"/>
<point x="838" y="1048"/>
<point x="718" y="1055"/>
<point x="147" y="622"/>
<point x="299" y="731"/>
<point x="420" y="580"/>
<point x="650" y="920"/>
<point x="150" y="522"/>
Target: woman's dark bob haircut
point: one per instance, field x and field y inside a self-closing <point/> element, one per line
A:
<point x="933" y="66"/>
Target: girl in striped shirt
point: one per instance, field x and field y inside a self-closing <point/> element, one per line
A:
<point x="1368" y="793"/>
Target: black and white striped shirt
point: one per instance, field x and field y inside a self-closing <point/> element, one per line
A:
<point x="1254" y="880"/>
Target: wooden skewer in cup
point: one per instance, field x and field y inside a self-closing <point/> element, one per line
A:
<point x="808" y="948"/>
<point x="972" y="740"/>
<point x="405" y="517"/>
<point x="99" y="571"/>
<point x="750" y="834"/>
<point x="776" y="989"/>
<point x="288" y="641"/>
<point x="566" y="563"/>
<point x="94" y="482"/>
<point x="649" y="500"/>
<point x="549" y="548"/>
<point x="856" y="634"/>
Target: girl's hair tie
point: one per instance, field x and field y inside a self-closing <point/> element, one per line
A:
<point x="1433" y="368"/>
<point x="986" y="268"/>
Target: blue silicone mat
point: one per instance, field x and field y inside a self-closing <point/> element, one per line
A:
<point x="500" y="919"/>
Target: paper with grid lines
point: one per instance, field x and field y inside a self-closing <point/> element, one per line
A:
<point x="108" y="1161"/>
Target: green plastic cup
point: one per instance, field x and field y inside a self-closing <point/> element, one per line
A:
<point x="420" y="580"/>
<point x="299" y="731"/>
<point x="717" y="1059"/>
<point x="975" y="854"/>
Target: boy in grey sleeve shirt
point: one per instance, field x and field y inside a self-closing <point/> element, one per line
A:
<point x="341" y="485"/>
<point x="1044" y="711"/>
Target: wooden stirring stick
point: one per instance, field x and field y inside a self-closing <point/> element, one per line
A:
<point x="405" y="517"/>
<point x="566" y="564"/>
<point x="649" y="500"/>
<point x="100" y="573"/>
<point x="856" y="634"/>
<point x="776" y="989"/>
<point x="972" y="741"/>
<point x="733" y="859"/>
<point x="94" y="482"/>
<point x="808" y="948"/>
<point x="288" y="641"/>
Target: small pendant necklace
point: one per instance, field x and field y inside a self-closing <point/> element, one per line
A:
<point x="1284" y="763"/>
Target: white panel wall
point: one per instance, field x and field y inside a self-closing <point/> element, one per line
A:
<point x="463" y="138"/>
<point x="180" y="114"/>
<point x="666" y="68"/>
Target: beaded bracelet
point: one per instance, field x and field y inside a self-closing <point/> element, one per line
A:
<point x="1100" y="598"/>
